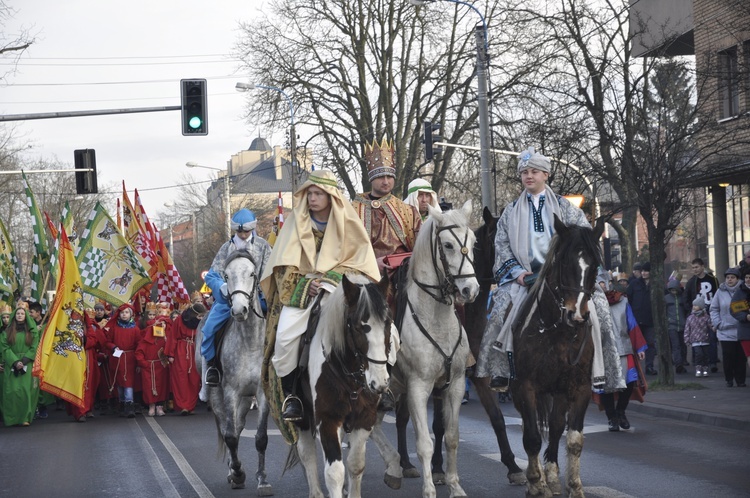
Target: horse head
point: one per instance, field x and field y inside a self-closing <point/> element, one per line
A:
<point x="368" y="329"/>
<point x="572" y="270"/>
<point x="241" y="279"/>
<point x="451" y="243"/>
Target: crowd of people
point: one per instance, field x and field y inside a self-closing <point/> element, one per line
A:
<point x="139" y="357"/>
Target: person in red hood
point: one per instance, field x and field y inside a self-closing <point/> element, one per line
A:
<point x="184" y="376"/>
<point x="154" y="364"/>
<point x="122" y="337"/>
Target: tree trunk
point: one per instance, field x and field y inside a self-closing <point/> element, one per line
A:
<point x="658" y="308"/>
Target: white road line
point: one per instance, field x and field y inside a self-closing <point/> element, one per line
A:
<point x="165" y="483"/>
<point x="605" y="492"/>
<point x="180" y="460"/>
<point x="251" y="432"/>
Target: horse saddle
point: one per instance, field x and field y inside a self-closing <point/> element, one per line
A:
<point x="312" y="325"/>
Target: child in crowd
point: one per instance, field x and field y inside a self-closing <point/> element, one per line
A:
<point x="122" y="337"/>
<point x="153" y="362"/>
<point x="697" y="327"/>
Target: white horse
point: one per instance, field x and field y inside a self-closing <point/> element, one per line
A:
<point x="346" y="375"/>
<point x="241" y="356"/>
<point x="434" y="346"/>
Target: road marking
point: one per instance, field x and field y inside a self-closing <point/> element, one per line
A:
<point x="251" y="432"/>
<point x="165" y="483"/>
<point x="180" y="460"/>
<point x="605" y="492"/>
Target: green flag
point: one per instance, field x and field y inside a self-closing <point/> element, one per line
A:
<point x="40" y="263"/>
<point x="10" y="275"/>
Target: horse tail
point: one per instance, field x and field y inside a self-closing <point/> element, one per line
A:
<point x="292" y="459"/>
<point x="543" y="409"/>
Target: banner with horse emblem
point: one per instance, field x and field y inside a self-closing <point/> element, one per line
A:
<point x="10" y="275"/>
<point x="110" y="269"/>
<point x="60" y="362"/>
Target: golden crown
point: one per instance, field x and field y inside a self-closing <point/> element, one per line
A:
<point x="380" y="158"/>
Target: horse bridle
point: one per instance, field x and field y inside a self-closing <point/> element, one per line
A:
<point x="358" y="375"/>
<point x="559" y="299"/>
<point x="447" y="286"/>
<point x="251" y="295"/>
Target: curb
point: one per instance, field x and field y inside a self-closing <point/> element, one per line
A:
<point x="688" y="415"/>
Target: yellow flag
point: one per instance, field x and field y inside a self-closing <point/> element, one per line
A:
<point x="60" y="361"/>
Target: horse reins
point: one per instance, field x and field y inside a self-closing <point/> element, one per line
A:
<point x="447" y="287"/>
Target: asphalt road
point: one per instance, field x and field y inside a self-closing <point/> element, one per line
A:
<point x="177" y="456"/>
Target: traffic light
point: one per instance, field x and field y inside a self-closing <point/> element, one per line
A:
<point x="85" y="180"/>
<point x="194" y="107"/>
<point x="429" y="139"/>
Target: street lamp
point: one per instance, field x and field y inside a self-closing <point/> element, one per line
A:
<point x="227" y="199"/>
<point x="482" y="100"/>
<point x="243" y="87"/>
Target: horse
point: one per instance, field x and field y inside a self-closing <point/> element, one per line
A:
<point x="475" y="321"/>
<point x="433" y="353"/>
<point x="554" y="353"/>
<point x="240" y="354"/>
<point x="346" y="375"/>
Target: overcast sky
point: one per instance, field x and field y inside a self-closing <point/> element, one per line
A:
<point x="146" y="47"/>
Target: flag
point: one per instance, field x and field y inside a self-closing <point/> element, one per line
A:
<point x="169" y="284"/>
<point x="110" y="269"/>
<point x="41" y="258"/>
<point x="137" y="235"/>
<point x="66" y="218"/>
<point x="60" y="362"/>
<point x="10" y="275"/>
<point x="281" y="212"/>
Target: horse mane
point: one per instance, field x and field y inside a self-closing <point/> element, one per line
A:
<point x="239" y="253"/>
<point x="333" y="314"/>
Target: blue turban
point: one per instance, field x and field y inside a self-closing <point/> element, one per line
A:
<point x="245" y="219"/>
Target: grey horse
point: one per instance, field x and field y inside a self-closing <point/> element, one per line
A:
<point x="240" y="355"/>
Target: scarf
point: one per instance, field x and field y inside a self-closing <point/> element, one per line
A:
<point x="519" y="222"/>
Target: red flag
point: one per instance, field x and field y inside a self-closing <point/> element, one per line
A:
<point x="51" y="225"/>
<point x="281" y="212"/>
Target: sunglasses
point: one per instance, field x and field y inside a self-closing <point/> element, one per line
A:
<point x="248" y="226"/>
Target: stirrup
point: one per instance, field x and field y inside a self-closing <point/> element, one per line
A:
<point x="218" y="376"/>
<point x="291" y="398"/>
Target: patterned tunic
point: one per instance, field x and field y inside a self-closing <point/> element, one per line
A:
<point x="391" y="223"/>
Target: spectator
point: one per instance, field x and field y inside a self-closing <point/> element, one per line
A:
<point x="637" y="267"/>
<point x="744" y="265"/>
<point x="735" y="368"/>
<point x="741" y="312"/>
<point x="697" y="327"/>
<point x="703" y="284"/>
<point x="639" y="297"/>
<point x="675" y="323"/>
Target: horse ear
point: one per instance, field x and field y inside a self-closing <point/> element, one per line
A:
<point x="599" y="227"/>
<point x="435" y="212"/>
<point x="383" y="284"/>
<point x="351" y="291"/>
<point x="487" y="216"/>
<point x="466" y="209"/>
<point x="560" y="227"/>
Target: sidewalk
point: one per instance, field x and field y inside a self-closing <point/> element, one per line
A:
<point x="716" y="405"/>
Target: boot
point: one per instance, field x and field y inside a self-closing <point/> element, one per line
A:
<point x="213" y="376"/>
<point x="121" y="410"/>
<point x="499" y="384"/>
<point x="614" y="424"/>
<point x="129" y="409"/>
<point x="291" y="410"/>
<point x="624" y="423"/>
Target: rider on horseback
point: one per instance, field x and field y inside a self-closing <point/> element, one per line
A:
<point x="524" y="232"/>
<point x="322" y="240"/>
<point x="244" y="238"/>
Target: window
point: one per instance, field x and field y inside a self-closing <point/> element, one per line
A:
<point x="729" y="84"/>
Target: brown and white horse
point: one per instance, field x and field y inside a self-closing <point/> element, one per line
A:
<point x="347" y="374"/>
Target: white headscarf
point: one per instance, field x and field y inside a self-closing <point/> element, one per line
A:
<point x="421" y="185"/>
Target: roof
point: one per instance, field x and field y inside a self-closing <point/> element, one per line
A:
<point x="260" y="144"/>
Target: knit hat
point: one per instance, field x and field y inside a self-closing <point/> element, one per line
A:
<point x="531" y="159"/>
<point x="699" y="301"/>
<point x="673" y="284"/>
<point x="379" y="159"/>
<point x="732" y="271"/>
<point x="637" y="267"/>
<point x="99" y="306"/>
<point x="646" y="266"/>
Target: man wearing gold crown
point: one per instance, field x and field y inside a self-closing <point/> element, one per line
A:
<point x="391" y="223"/>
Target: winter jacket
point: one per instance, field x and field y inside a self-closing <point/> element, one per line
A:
<point x="696" y="328"/>
<point x="691" y="291"/>
<point x="721" y="315"/>
<point x="675" y="310"/>
<point x="740" y="309"/>
<point x="639" y="297"/>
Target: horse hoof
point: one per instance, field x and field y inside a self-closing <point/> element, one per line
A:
<point x="265" y="490"/>
<point x="517" y="478"/>
<point x="412" y="473"/>
<point x="237" y="485"/>
<point x="438" y="478"/>
<point x="392" y="482"/>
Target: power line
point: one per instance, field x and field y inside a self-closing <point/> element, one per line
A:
<point x="137" y="82"/>
<point x="100" y="64"/>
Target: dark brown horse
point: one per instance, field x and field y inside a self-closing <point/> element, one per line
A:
<point x="475" y="322"/>
<point x="553" y="357"/>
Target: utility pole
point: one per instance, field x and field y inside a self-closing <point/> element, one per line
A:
<point x="484" y="120"/>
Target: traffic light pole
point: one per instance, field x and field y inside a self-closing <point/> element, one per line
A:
<point x="484" y="120"/>
<point x="75" y="114"/>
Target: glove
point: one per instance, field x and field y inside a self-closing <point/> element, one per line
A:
<point x="224" y="291"/>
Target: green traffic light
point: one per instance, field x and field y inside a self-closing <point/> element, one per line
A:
<point x="195" y="122"/>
